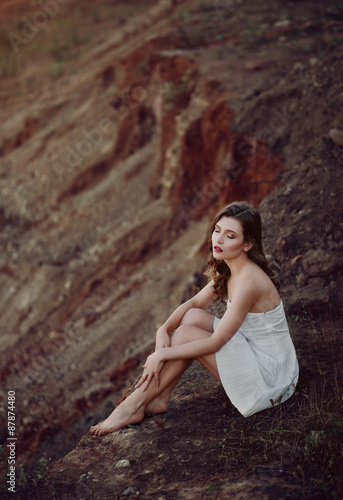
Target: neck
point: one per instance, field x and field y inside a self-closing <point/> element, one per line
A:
<point x="238" y="264"/>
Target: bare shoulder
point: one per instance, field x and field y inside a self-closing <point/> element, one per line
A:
<point x="267" y="295"/>
<point x="255" y="276"/>
<point x="258" y="288"/>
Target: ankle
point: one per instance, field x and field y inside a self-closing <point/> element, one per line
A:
<point x="132" y="406"/>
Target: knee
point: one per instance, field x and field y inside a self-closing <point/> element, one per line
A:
<point x="191" y="317"/>
<point x="179" y="335"/>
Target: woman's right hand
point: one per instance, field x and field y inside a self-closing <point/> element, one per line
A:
<point x="162" y="339"/>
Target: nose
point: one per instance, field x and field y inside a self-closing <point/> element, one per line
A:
<point x="220" y="238"/>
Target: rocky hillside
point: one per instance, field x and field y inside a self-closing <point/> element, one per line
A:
<point x="125" y="126"/>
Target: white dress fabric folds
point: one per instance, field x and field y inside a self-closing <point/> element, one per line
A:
<point x="258" y="366"/>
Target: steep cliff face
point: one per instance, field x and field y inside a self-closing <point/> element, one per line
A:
<point x="111" y="172"/>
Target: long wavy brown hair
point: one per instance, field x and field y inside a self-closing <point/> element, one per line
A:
<point x="251" y="223"/>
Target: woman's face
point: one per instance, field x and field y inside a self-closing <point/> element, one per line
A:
<point x="228" y="239"/>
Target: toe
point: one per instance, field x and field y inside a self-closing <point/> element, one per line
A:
<point x="95" y="428"/>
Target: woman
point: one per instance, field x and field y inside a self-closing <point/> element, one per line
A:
<point x="249" y="350"/>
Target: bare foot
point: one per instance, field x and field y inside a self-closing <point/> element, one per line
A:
<point x="119" y="418"/>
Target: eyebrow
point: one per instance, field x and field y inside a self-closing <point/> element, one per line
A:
<point x="226" y="230"/>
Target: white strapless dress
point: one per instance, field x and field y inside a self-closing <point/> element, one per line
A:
<point x="258" y="366"/>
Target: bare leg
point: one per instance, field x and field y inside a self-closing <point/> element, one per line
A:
<point x="155" y="399"/>
<point x="160" y="403"/>
<point x="133" y="409"/>
<point x="194" y="317"/>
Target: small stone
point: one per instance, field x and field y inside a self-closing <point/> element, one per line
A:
<point x="318" y="282"/>
<point x="337" y="136"/>
<point x="282" y="23"/>
<point x="313" y="61"/>
<point x="293" y="107"/>
<point x="122" y="463"/>
<point x="252" y="66"/>
<point x="302" y="279"/>
<point x="298" y="66"/>
<point x="128" y="491"/>
<point x="318" y="262"/>
<point x="310" y="298"/>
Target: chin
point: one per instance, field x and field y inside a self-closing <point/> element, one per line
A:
<point x="217" y="256"/>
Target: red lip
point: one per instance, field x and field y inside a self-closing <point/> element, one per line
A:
<point x="217" y="249"/>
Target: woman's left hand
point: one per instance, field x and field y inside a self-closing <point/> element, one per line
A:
<point x="152" y="368"/>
